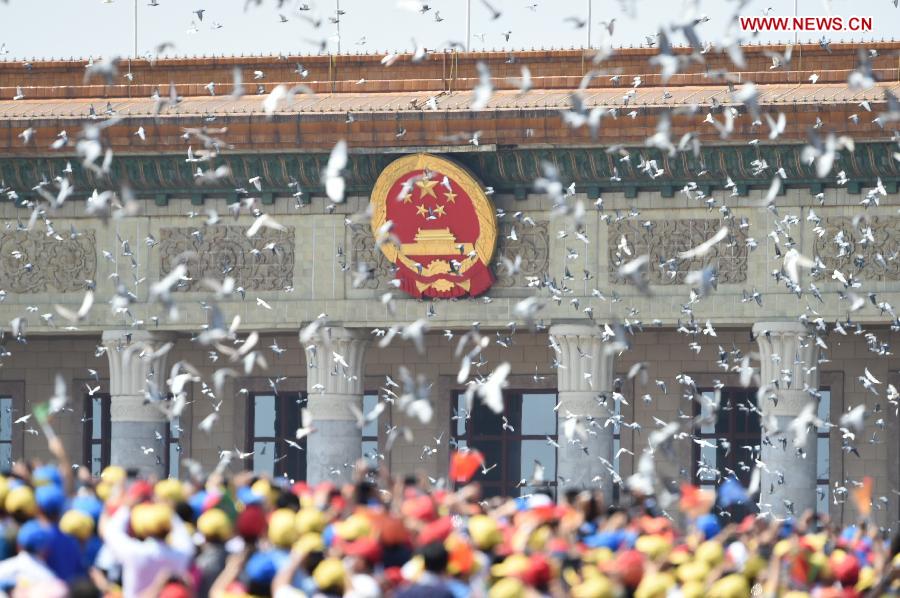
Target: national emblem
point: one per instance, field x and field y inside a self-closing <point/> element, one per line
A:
<point x="443" y="228"/>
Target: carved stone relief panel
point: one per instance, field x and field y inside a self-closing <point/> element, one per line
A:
<point x="870" y="251"/>
<point x="32" y="262"/>
<point x="263" y="263"/>
<point x="363" y="251"/>
<point x="663" y="240"/>
<point x="531" y="244"/>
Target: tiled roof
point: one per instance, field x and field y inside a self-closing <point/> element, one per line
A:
<point x="390" y="105"/>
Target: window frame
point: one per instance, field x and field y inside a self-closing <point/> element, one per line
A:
<point x="376" y="437"/>
<point x="735" y="440"/>
<point x="87" y="431"/>
<point x="506" y="486"/>
<point x="281" y="428"/>
<point x="15" y="390"/>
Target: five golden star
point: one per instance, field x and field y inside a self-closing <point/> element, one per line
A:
<point x="450" y="196"/>
<point x="421" y="210"/>
<point x="426" y="189"/>
<point x="439" y="211"/>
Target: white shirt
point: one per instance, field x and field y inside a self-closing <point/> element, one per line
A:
<point x="24" y="568"/>
<point x="144" y="560"/>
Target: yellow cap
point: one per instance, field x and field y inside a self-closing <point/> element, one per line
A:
<point x="655" y="547"/>
<point x="754" y="565"/>
<point x="103" y="490"/>
<point x="21" y="500"/>
<point x="730" y="586"/>
<point x="329" y="574"/>
<point x="817" y="541"/>
<point x="169" y="489"/>
<point x="484" y="532"/>
<point x="281" y="528"/>
<point x="539" y="538"/>
<point x="866" y="579"/>
<point x="692" y="571"/>
<point x="781" y="548"/>
<point x="78" y="524"/>
<point x="598" y="586"/>
<point x="599" y="555"/>
<point x="264" y="488"/>
<point x="693" y="589"/>
<point x="310" y="542"/>
<point x="4" y="489"/>
<point x="113" y="474"/>
<point x="654" y="585"/>
<point x="711" y="552"/>
<point x="508" y="587"/>
<point x="215" y="525"/>
<point x="310" y="520"/>
<point x="514" y="564"/>
<point x="353" y="527"/>
<point x="151" y="520"/>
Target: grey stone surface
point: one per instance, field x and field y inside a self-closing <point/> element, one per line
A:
<point x="130" y="443"/>
<point x="788" y="488"/>
<point x="333" y="450"/>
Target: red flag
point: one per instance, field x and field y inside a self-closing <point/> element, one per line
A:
<point x="862" y="497"/>
<point x="464" y="464"/>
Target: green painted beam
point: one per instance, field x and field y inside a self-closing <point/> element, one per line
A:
<point x="507" y="170"/>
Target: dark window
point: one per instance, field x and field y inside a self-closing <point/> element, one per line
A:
<point x="96" y="432"/>
<point x="823" y="456"/>
<point x="732" y="444"/>
<point x="512" y="442"/>
<point x="6" y="431"/>
<point x="370" y="430"/>
<point x="272" y="424"/>
<point x="173" y="441"/>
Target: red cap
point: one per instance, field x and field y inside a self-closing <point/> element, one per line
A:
<point x="630" y="567"/>
<point x="394" y="533"/>
<point x="366" y="548"/>
<point x="420" y="507"/>
<point x="846" y="570"/>
<point x="436" y="531"/>
<point x="141" y="490"/>
<point x="251" y="523"/>
<point x="539" y="572"/>
<point x="175" y="590"/>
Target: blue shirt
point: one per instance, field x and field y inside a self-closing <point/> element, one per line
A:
<point x="64" y="556"/>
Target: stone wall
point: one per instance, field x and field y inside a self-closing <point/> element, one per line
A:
<point x="309" y="268"/>
<point x="663" y="351"/>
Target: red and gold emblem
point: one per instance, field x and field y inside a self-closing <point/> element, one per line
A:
<point x="444" y="226"/>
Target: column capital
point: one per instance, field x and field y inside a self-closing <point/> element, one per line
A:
<point x="789" y="359"/>
<point x="135" y="357"/>
<point x="336" y="363"/>
<point x="585" y="362"/>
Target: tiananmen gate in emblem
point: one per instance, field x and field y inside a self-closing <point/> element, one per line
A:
<point x="444" y="229"/>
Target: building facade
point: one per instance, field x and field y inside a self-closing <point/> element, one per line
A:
<point x="323" y="327"/>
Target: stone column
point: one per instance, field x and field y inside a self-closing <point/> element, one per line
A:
<point x="579" y="394"/>
<point x="786" y="352"/>
<point x="136" y="426"/>
<point x="335" y="373"/>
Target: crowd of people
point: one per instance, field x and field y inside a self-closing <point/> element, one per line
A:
<point x="64" y="533"/>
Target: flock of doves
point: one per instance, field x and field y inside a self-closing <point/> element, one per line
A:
<point x="224" y="341"/>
